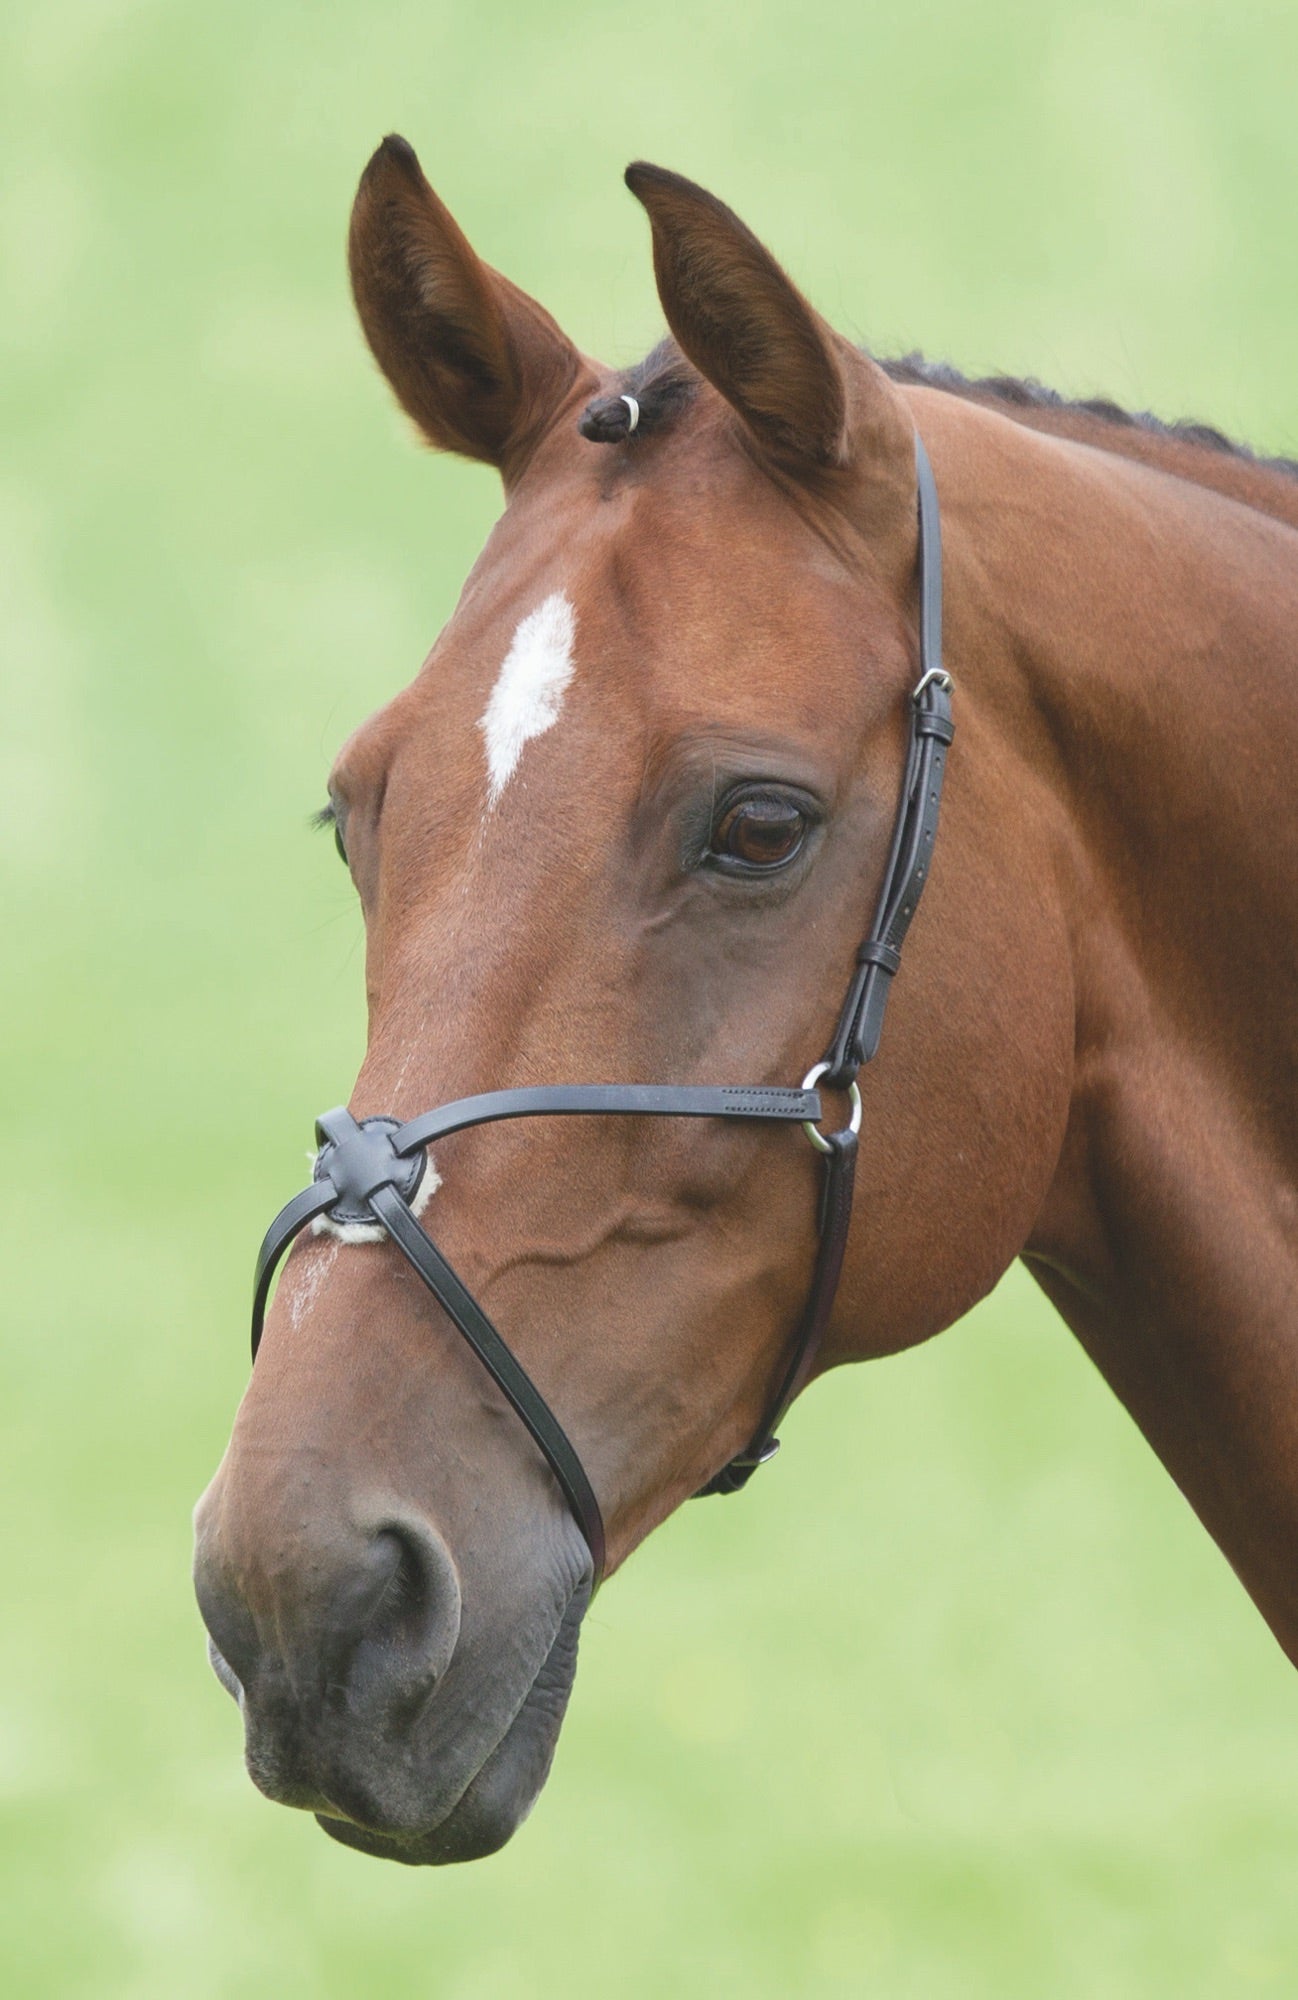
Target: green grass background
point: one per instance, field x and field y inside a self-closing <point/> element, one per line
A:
<point x="959" y="1700"/>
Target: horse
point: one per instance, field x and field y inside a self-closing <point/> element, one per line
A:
<point x="627" y="823"/>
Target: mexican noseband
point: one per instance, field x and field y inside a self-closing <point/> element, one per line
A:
<point x="368" y="1174"/>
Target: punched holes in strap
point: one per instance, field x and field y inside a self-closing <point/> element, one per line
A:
<point x="588" y="1100"/>
<point x="860" y="1023"/>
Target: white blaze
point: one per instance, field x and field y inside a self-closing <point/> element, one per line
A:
<point x="529" y="689"/>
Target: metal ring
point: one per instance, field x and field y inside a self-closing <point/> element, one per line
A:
<point x="809" y="1082"/>
<point x="938" y="674"/>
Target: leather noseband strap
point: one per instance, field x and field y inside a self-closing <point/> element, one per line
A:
<point x="368" y="1173"/>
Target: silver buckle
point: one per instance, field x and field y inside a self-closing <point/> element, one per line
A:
<point x="938" y="674"/>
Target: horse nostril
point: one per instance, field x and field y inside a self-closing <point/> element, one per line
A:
<point x="407" y="1628"/>
<point x="415" y="1581"/>
<point x="334" y="1616"/>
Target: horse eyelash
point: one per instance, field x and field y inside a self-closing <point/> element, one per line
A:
<point x="328" y="816"/>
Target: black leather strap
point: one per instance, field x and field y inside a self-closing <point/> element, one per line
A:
<point x="653" y="1100"/>
<point x="641" y="1100"/>
<point x="292" y="1218"/>
<point x="835" y="1219"/>
<point x="418" y="1248"/>
<point x="878" y="959"/>
<point x="860" y="1023"/>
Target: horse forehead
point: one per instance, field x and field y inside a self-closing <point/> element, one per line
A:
<point x="653" y="603"/>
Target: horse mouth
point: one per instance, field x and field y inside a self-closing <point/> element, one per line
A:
<point x="505" y="1787"/>
<point x="493" y="1802"/>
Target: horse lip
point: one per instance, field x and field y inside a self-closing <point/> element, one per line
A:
<point x="224" y="1671"/>
<point x="481" y="1832"/>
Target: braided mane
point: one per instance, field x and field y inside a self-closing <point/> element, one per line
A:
<point x="1025" y="393"/>
<point x="664" y="384"/>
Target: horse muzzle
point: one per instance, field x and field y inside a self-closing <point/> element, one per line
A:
<point x="367" y="1697"/>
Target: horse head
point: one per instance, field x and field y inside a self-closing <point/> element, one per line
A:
<point x="627" y="824"/>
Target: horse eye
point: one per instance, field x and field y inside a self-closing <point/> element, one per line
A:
<point x="338" y="843"/>
<point x="760" y="833"/>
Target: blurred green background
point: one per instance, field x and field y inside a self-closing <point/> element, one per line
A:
<point x="959" y="1700"/>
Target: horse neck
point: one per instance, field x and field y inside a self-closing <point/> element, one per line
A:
<point x="1132" y="644"/>
<point x="1269" y="486"/>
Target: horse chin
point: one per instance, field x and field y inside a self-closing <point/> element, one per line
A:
<point x="498" y="1798"/>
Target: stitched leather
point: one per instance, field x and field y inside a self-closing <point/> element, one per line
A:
<point x="356" y="1159"/>
<point x="645" y="1100"/>
<point x="654" y="1100"/>
<point x="878" y="959"/>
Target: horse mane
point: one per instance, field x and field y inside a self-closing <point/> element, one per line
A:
<point x="1023" y="393"/>
<point x="664" y="384"/>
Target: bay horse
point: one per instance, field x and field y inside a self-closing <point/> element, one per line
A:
<point x="627" y="824"/>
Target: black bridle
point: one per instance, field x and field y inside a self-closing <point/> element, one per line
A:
<point x="369" y="1172"/>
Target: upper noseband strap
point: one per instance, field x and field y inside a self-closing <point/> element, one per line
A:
<point x="641" y="1100"/>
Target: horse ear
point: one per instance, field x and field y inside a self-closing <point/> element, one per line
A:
<point x="747" y="328"/>
<point x="479" y="365"/>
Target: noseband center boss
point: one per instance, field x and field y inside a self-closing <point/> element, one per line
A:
<point x="369" y="1173"/>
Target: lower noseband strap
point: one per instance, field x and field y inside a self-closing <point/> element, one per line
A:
<point x="455" y="1299"/>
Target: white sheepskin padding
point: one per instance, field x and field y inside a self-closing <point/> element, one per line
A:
<point x="374" y="1232"/>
